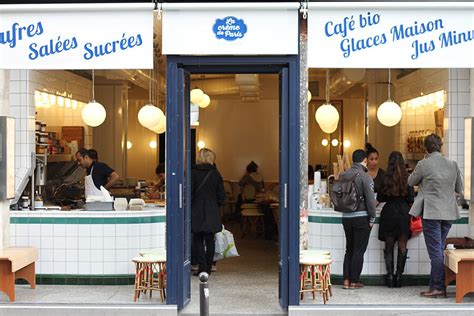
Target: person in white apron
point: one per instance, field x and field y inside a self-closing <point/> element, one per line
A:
<point x="89" y="187"/>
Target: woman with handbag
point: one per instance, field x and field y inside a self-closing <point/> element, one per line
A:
<point x="394" y="219"/>
<point x="208" y="195"/>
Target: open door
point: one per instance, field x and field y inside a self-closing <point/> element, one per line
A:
<point x="283" y="229"/>
<point x="178" y="188"/>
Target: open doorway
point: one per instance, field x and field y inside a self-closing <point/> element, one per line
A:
<point x="241" y="126"/>
<point x="179" y="164"/>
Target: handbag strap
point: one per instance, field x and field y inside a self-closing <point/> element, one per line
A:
<point x="202" y="183"/>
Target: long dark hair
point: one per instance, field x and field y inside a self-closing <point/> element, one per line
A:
<point x="396" y="176"/>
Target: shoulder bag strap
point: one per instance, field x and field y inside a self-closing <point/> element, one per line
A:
<point x="202" y="182"/>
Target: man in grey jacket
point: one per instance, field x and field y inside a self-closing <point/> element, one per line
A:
<point x="439" y="180"/>
<point x="357" y="224"/>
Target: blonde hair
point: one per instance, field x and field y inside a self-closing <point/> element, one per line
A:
<point x="206" y="156"/>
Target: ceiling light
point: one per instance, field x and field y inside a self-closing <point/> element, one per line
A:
<point x="389" y="113"/>
<point x="149" y="116"/>
<point x="205" y="101"/>
<point x="327" y="115"/>
<point x="196" y="95"/>
<point x="93" y="114"/>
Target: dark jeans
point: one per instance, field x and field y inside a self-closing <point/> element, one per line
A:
<point x="357" y="232"/>
<point x="205" y="248"/>
<point x="435" y="232"/>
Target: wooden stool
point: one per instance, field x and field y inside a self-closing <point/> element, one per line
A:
<point x="459" y="267"/>
<point x="253" y="218"/>
<point x="17" y="263"/>
<point x="150" y="275"/>
<point x="160" y="252"/>
<point x="321" y="253"/>
<point x="314" y="274"/>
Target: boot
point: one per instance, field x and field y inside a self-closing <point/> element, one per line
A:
<point x="401" y="260"/>
<point x="388" y="256"/>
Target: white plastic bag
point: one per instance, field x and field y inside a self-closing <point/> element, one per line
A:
<point x="225" y="245"/>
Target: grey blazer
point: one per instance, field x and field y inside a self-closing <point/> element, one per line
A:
<point x="438" y="179"/>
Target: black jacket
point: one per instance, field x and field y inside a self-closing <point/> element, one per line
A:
<point x="206" y="199"/>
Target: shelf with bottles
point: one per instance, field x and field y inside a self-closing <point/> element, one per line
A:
<point x="416" y="140"/>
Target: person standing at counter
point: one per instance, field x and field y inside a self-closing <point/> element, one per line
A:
<point x="439" y="181"/>
<point x="394" y="219"/>
<point x="357" y="223"/>
<point x="208" y="194"/>
<point x="98" y="173"/>
<point x="373" y="167"/>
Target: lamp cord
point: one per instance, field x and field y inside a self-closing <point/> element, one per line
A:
<point x="327" y="85"/>
<point x="93" y="85"/>
<point x="389" y="82"/>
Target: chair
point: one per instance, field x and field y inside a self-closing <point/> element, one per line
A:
<point x="275" y="207"/>
<point x="315" y="275"/>
<point x="276" y="189"/>
<point x="150" y="273"/>
<point x="253" y="220"/>
<point x="230" y="199"/>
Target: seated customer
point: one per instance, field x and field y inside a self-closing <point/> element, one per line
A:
<point x="160" y="187"/>
<point x="252" y="177"/>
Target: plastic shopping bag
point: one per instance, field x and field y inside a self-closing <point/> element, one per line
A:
<point x="225" y="245"/>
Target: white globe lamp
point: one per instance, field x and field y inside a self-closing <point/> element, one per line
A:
<point x="160" y="128"/>
<point x="327" y="117"/>
<point x="205" y="101"/>
<point x="310" y="96"/>
<point x="196" y="96"/>
<point x="93" y="114"/>
<point x="324" y="142"/>
<point x="389" y="113"/>
<point x="150" y="115"/>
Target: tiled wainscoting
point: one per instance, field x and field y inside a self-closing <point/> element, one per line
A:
<point x="326" y="232"/>
<point x="86" y="247"/>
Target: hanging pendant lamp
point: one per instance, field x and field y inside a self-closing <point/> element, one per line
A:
<point x="93" y="114"/>
<point x="327" y="115"/>
<point x="389" y="113"/>
<point x="150" y="115"/>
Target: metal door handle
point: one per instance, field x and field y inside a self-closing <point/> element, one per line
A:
<point x="180" y="195"/>
<point x="286" y="195"/>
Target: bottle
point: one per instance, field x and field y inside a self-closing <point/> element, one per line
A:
<point x="38" y="200"/>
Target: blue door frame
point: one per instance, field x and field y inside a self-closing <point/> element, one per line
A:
<point x="178" y="165"/>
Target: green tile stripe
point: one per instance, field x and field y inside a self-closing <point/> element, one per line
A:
<point x="67" y="279"/>
<point x="338" y="220"/>
<point x="88" y="220"/>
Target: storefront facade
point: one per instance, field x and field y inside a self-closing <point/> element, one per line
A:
<point x="195" y="40"/>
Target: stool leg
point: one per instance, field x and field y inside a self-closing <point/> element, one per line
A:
<point x="302" y="270"/>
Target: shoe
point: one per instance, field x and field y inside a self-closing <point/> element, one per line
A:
<point x="346" y="285"/>
<point x="388" y="256"/>
<point x="356" y="286"/>
<point x="434" y="294"/>
<point x="194" y="267"/>
<point x="214" y="268"/>
<point x="401" y="261"/>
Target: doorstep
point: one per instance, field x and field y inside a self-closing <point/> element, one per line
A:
<point x="378" y="310"/>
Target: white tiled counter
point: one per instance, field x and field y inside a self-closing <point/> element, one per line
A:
<point x="78" y="244"/>
<point x="326" y="232"/>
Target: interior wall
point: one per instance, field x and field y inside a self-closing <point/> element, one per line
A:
<point x="109" y="137"/>
<point x="141" y="159"/>
<point x="380" y="136"/>
<point x="239" y="132"/>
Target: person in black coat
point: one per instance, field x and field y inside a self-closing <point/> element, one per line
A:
<point x="208" y="195"/>
<point x="394" y="219"/>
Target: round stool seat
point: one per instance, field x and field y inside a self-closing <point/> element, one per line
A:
<point x="148" y="259"/>
<point x="315" y="252"/>
<point x="315" y="261"/>
<point x="155" y="251"/>
<point x="314" y="257"/>
<point x="251" y="212"/>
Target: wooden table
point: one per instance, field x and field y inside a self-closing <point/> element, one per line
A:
<point x="459" y="266"/>
<point x="17" y="263"/>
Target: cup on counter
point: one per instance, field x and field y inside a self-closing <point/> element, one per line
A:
<point x="450" y="247"/>
<point x="120" y="204"/>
